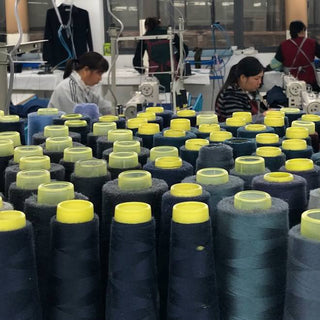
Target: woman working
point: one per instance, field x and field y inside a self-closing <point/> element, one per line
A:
<point x="80" y="75"/>
<point x="240" y="89"/>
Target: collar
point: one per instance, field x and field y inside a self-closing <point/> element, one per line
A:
<point x="76" y="77"/>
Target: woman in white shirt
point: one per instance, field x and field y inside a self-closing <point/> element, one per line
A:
<point x="80" y="76"/>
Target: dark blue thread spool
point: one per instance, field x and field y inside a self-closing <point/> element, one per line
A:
<point x="13" y="123"/>
<point x="273" y="157"/>
<point x="277" y="123"/>
<point x="79" y="126"/>
<point x="120" y="122"/>
<point x="6" y="154"/>
<point x="292" y="114"/>
<point x="218" y="137"/>
<point x="251" y="130"/>
<point x="181" y="123"/>
<point x="206" y="117"/>
<point x="166" y="115"/>
<point x="152" y="118"/>
<point x="146" y="132"/>
<point x="70" y="116"/>
<point x="205" y="130"/>
<point x="233" y="124"/>
<point x="268" y="139"/>
<point x="312" y="132"/>
<point x="298" y="133"/>
<point x="314" y="118"/>
<point x="134" y="123"/>
<point x="53" y="131"/>
<point x="187" y="114"/>
<point x="241" y="146"/>
<point x="172" y="137"/>
<point x="296" y="148"/>
<point x="24" y="151"/>
<point x="162" y="151"/>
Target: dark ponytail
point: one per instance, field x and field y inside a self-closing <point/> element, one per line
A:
<point x="70" y="66"/>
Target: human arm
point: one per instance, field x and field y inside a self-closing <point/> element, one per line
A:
<point x="176" y="43"/>
<point x="276" y="62"/>
<point x="138" y="57"/>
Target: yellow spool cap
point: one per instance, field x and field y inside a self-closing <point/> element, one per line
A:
<point x="297" y="133"/>
<point x="310" y="117"/>
<point x="14" y="136"/>
<point x="134" y="123"/>
<point x="255" y="127"/>
<point x="132" y="212"/>
<point x="123" y="160"/>
<point x="31" y="179"/>
<point x="235" y="122"/>
<point x="120" y="135"/>
<point x="294" y="144"/>
<point x="299" y="164"/>
<point x="220" y="136"/>
<point x="310" y="224"/>
<point x="268" y="152"/>
<point x="11" y="220"/>
<point x="76" y="123"/>
<point x="53" y="193"/>
<point x="173" y="133"/>
<point x="247" y="165"/>
<point x="182" y="124"/>
<point x="214" y="176"/>
<point x="47" y="111"/>
<point x="275" y="113"/>
<point x="1" y="202"/>
<point x="207" y="118"/>
<point x="6" y="147"/>
<point x="24" y="151"/>
<point x="134" y="180"/>
<point x="252" y="200"/>
<point x="108" y="118"/>
<point x="75" y="211"/>
<point x="73" y="154"/>
<point x="208" y="128"/>
<point x="90" y="168"/>
<point x="195" y="144"/>
<point x="279" y="177"/>
<point x="290" y="110"/>
<point x="34" y="162"/>
<point x="1" y="113"/>
<point x="102" y="128"/>
<point x="190" y="212"/>
<point x="186" y="190"/>
<point x="58" y="144"/>
<point x="267" y="138"/>
<point x="150" y="116"/>
<point x="71" y="116"/>
<point x="168" y="162"/>
<point x="273" y="121"/>
<point x="243" y="114"/>
<point x="149" y="128"/>
<point x="123" y="146"/>
<point x="186" y="113"/>
<point x="155" y="109"/>
<point x="306" y="124"/>
<point x="163" y="151"/>
<point x="9" y="118"/>
<point x="55" y="131"/>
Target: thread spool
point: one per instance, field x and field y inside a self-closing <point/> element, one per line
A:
<point x="247" y="116"/>
<point x="278" y="114"/>
<point x="152" y="118"/>
<point x="267" y="139"/>
<point x="205" y="130"/>
<point x="178" y="193"/>
<point x="79" y="126"/>
<point x="243" y="274"/>
<point x="191" y="294"/>
<point x="120" y="122"/>
<point x="296" y="148"/>
<point x="24" y="151"/>
<point x="6" y="154"/>
<point x="277" y="123"/>
<point x="315" y="118"/>
<point x="312" y="132"/>
<point x="71" y="155"/>
<point x="166" y="115"/>
<point x="19" y="286"/>
<point x="146" y="132"/>
<point x="288" y="187"/>
<point x="172" y="137"/>
<point x="190" y="151"/>
<point x="241" y="146"/>
<point x="206" y="118"/>
<point x="171" y="169"/>
<point x="187" y="114"/>
<point x="251" y="130"/>
<point x="273" y="157"/>
<point x="134" y="123"/>
<point x="232" y="125"/>
<point x="182" y="124"/>
<point x="123" y="146"/>
<point x="219" y="136"/>
<point x="13" y="123"/>
<point x="73" y="225"/>
<point x="220" y="156"/>
<point x="14" y="136"/>
<point x="292" y="114"/>
<point x="71" y="117"/>
<point x="55" y="146"/>
<point x="302" y="300"/>
<point x="314" y="199"/>
<point x="133" y="241"/>
<point x="298" y="133"/>
<point x="306" y="169"/>
<point x="5" y="205"/>
<point x="163" y="151"/>
<point x="122" y="161"/>
<point x="248" y="167"/>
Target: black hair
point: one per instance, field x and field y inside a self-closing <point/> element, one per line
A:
<point x="296" y="27"/>
<point x="151" y="22"/>
<point x="92" y="60"/>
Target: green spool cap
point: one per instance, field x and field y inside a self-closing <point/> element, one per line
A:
<point x="9" y="118"/>
<point x="1" y="113"/>
<point x="163" y="151"/>
<point x="123" y="160"/>
<point x="90" y="168"/>
<point x="47" y="111"/>
<point x="120" y="135"/>
<point x="168" y="162"/>
<point x="134" y="123"/>
<point x="56" y="131"/>
<point x="74" y="154"/>
<point x="279" y="177"/>
<point x="54" y="192"/>
<point x="267" y="138"/>
<point x="134" y="180"/>
<point x="306" y="124"/>
<point x="122" y="146"/>
<point x="310" y="224"/>
<point x="297" y="133"/>
<point x="195" y="144"/>
<point x="14" y="136"/>
<point x="71" y="116"/>
<point x="23" y="151"/>
<point x="58" y="144"/>
<point x="31" y="179"/>
<point x="208" y="128"/>
<point x="186" y="190"/>
<point x="214" y="176"/>
<point x="102" y="128"/>
<point x="6" y="147"/>
<point x="220" y="136"/>
<point x="294" y="144"/>
<point x="76" y="123"/>
<point x="247" y="165"/>
<point x="207" y="118"/>
<point x="182" y="124"/>
<point x="34" y="162"/>
<point x="252" y="200"/>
